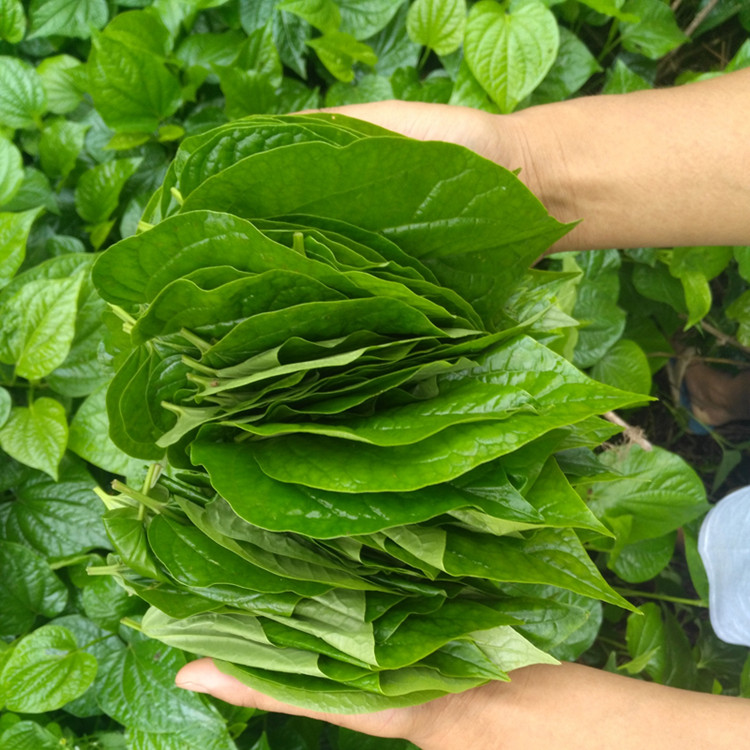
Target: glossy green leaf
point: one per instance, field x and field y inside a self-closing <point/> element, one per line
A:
<point x="363" y="18"/>
<point x="621" y="80"/>
<point x="28" y="588"/>
<point x="322" y="14"/>
<point x="644" y="560"/>
<point x="37" y="435"/>
<point x="60" y="83"/>
<point x="83" y="370"/>
<point x="132" y="88"/>
<point x="510" y="51"/>
<point x="12" y="21"/>
<point x="658" y="491"/>
<point x="624" y="366"/>
<point x="98" y="190"/>
<point x="6" y="402"/>
<point x="601" y="320"/>
<point x="96" y="642"/>
<point x="406" y="215"/>
<point x="612" y="8"/>
<point x="695" y="267"/>
<point x="195" y="560"/>
<point x="573" y="66"/>
<point x="347" y="467"/>
<point x="74" y="18"/>
<point x="393" y="47"/>
<point x="60" y="145"/>
<point x="28" y="735"/>
<point x="339" y="51"/>
<point x="655" y="33"/>
<point x="246" y="92"/>
<point x="57" y="519"/>
<point x="40" y="320"/>
<point x="46" y="670"/>
<point x="646" y="642"/>
<point x="137" y="689"/>
<point x="89" y="438"/>
<point x="22" y="97"/>
<point x="105" y="602"/>
<point x="14" y="234"/>
<point x="739" y="311"/>
<point x="11" y="170"/>
<point x="439" y="26"/>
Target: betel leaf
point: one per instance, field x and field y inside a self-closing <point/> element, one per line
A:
<point x="131" y="86"/>
<point x="363" y="18"/>
<point x="60" y="145"/>
<point x="383" y="463"/>
<point x="339" y="51"/>
<point x="12" y="21"/>
<point x="96" y="642"/>
<point x="322" y="14"/>
<point x="510" y="50"/>
<point x="89" y="437"/>
<point x="437" y="25"/>
<point x="399" y="176"/>
<point x="60" y="83"/>
<point x="28" y="588"/>
<point x="136" y="687"/>
<point x="26" y="734"/>
<point x="655" y="33"/>
<point x="695" y="267"/>
<point x="355" y="467"/>
<point x="601" y="320"/>
<point x="74" y="18"/>
<point x="6" y="402"/>
<point x="39" y="325"/>
<point x="57" y="519"/>
<point x="573" y="66"/>
<point x="37" y="435"/>
<point x="14" y="234"/>
<point x="46" y="670"/>
<point x="11" y="170"/>
<point x="22" y="98"/>
<point x="625" y="365"/>
<point x="658" y="492"/>
<point x="98" y="190"/>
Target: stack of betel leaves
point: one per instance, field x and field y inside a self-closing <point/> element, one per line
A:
<point x="363" y="500"/>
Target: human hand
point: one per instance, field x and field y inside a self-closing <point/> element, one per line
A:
<point x="431" y="725"/>
<point x="543" y="707"/>
<point x="493" y="136"/>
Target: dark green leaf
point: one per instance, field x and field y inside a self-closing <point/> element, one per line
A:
<point x="656" y="33"/>
<point x="28" y="588"/>
<point x="58" y="519"/>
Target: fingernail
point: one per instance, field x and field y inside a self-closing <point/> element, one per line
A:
<point x="195" y="687"/>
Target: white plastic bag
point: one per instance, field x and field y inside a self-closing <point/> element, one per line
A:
<point x="724" y="547"/>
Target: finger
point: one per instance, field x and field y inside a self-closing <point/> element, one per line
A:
<point x="202" y="676"/>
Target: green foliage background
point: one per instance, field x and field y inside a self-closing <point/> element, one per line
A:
<point x="95" y="96"/>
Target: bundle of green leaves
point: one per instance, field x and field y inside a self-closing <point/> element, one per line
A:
<point x="364" y="500"/>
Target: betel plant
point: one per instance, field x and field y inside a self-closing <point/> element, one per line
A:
<point x="365" y="501"/>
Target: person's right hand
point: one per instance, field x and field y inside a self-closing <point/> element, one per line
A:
<point x="491" y="136"/>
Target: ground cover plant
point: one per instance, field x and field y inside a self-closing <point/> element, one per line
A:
<point x="95" y="99"/>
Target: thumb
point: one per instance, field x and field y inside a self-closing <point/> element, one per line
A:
<point x="202" y="676"/>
